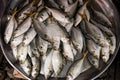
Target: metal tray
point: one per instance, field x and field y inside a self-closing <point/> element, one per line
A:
<point x="92" y="73"/>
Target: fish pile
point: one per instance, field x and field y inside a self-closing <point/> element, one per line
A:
<point x="45" y="35"/>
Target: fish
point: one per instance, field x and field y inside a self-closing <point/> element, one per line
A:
<point x="71" y="9"/>
<point x="101" y="18"/>
<point x="59" y="16"/>
<point x="22" y="53"/>
<point x="48" y="67"/>
<point x="77" y="68"/>
<point x="77" y="39"/>
<point x="9" y="30"/>
<point x="103" y="28"/>
<point x="34" y="48"/>
<point x="35" y="67"/>
<point x="105" y="52"/>
<point x="23" y="27"/>
<point x="67" y="51"/>
<point x="94" y="61"/>
<point x="35" y="63"/>
<point x="26" y="66"/>
<point x="42" y="45"/>
<point x="113" y="44"/>
<point x="95" y="33"/>
<point x="29" y="36"/>
<point x="93" y="48"/>
<point x="43" y="15"/>
<point x="78" y="17"/>
<point x="109" y="34"/>
<point x="57" y="62"/>
<point x="16" y="41"/>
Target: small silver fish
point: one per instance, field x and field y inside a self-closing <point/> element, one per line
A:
<point x="77" y="39"/>
<point x="112" y="44"/>
<point x="67" y="51"/>
<point x="23" y="27"/>
<point x="96" y="33"/>
<point x="34" y="48"/>
<point x="29" y="36"/>
<point x="22" y="53"/>
<point x="48" y="68"/>
<point x="16" y="41"/>
<point x="94" y="61"/>
<point x="100" y="17"/>
<point x="77" y="68"/>
<point x="57" y="62"/>
<point x="71" y="9"/>
<point x="35" y="67"/>
<point x="93" y="48"/>
<point x="43" y="15"/>
<point x="60" y="16"/>
<point x="105" y="52"/>
<point x="78" y="17"/>
<point x="9" y="30"/>
<point x="35" y="63"/>
<point x="26" y="66"/>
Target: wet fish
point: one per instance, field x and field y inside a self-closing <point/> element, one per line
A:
<point x="105" y="52"/>
<point x="112" y="44"/>
<point x="93" y="48"/>
<point x="71" y="8"/>
<point x="9" y="30"/>
<point x="42" y="45"/>
<point x="96" y="33"/>
<point x="48" y="68"/>
<point x="23" y="27"/>
<point x="35" y="63"/>
<point x="77" y="68"/>
<point x="22" y="53"/>
<point x="78" y="17"/>
<point x="29" y="36"/>
<point x="34" y="48"/>
<point x="77" y="39"/>
<point x="43" y="15"/>
<point x="60" y="16"/>
<point x="26" y="66"/>
<point x="103" y="28"/>
<point x="35" y="67"/>
<point x="100" y="17"/>
<point x="67" y="51"/>
<point x="16" y="41"/>
<point x="94" y="61"/>
<point x="57" y="62"/>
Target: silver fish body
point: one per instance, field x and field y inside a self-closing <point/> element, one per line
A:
<point x="22" y="53"/>
<point x="77" y="39"/>
<point x="23" y="27"/>
<point x="29" y="36"/>
<point x="57" y="62"/>
<point x="93" y="48"/>
<point x="48" y="68"/>
<point x="26" y="66"/>
<point x="9" y="30"/>
<point x="77" y="68"/>
<point x="60" y="16"/>
<point x="34" y="48"/>
<point x="17" y="40"/>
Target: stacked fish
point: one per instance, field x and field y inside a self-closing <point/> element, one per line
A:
<point x="45" y="35"/>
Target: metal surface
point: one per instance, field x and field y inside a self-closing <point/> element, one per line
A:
<point x="89" y="74"/>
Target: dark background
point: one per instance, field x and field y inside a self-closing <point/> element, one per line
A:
<point x="112" y="73"/>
